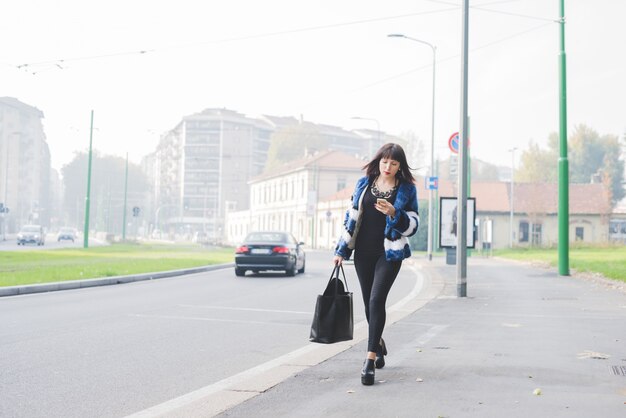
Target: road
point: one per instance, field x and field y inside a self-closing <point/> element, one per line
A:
<point x="10" y="244"/>
<point x="117" y="350"/>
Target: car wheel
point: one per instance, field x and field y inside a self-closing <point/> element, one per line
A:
<point x="303" y="265"/>
<point x="239" y="272"/>
<point x="292" y="271"/>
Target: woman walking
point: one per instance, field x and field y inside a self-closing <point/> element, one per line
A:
<point x="382" y="215"/>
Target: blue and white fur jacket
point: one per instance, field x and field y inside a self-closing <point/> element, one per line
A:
<point x="397" y="230"/>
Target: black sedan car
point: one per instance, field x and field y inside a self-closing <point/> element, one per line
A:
<point x="270" y="251"/>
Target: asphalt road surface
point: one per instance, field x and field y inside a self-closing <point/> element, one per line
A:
<point x="116" y="350"/>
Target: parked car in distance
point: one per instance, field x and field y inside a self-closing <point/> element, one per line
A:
<point x="67" y="233"/>
<point x="270" y="251"/>
<point x="31" y="234"/>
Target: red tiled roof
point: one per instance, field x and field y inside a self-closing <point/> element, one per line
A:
<point x="343" y="194"/>
<point x="327" y="159"/>
<point x="534" y="197"/>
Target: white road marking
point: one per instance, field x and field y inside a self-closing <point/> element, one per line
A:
<point x="169" y="407"/>
<point x="245" y="309"/>
<point x="200" y="318"/>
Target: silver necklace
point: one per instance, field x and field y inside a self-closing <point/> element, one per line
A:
<point x="382" y="195"/>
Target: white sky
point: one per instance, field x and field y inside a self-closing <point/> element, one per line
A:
<point x="264" y="57"/>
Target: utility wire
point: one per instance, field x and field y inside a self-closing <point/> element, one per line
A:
<point x="414" y="70"/>
<point x="483" y="9"/>
<point x="59" y="62"/>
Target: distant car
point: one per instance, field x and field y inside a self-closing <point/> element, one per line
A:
<point x="270" y="251"/>
<point x="31" y="234"/>
<point x="200" y="238"/>
<point x="69" y="234"/>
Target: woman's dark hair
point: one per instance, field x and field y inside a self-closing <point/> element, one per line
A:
<point x="394" y="152"/>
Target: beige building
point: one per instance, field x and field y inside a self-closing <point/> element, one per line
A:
<point x="24" y="166"/>
<point x="535" y="213"/>
<point x="294" y="198"/>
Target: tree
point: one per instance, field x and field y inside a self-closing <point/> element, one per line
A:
<point x="291" y="142"/>
<point x="537" y="165"/>
<point x="483" y="171"/>
<point x="414" y="149"/>
<point x="591" y="158"/>
<point x="107" y="190"/>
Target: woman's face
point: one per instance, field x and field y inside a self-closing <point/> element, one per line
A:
<point x="388" y="167"/>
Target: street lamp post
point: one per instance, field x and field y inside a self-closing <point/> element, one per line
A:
<point x="432" y="141"/>
<point x="512" y="150"/>
<point x="88" y="196"/>
<point x="6" y="188"/>
<point x="378" y="130"/>
<point x="563" y="160"/>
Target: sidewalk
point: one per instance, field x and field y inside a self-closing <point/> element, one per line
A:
<point x="524" y="343"/>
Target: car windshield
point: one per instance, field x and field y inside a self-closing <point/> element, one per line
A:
<point x="30" y="228"/>
<point x="266" y="237"/>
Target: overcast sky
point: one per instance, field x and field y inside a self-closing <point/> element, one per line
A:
<point x="327" y="60"/>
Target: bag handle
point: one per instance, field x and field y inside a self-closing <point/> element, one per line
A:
<point x="335" y="274"/>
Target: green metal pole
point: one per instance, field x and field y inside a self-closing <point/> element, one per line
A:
<point x="125" y="196"/>
<point x="87" y="198"/>
<point x="563" y="162"/>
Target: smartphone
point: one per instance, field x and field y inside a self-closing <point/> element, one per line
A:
<point x="379" y="200"/>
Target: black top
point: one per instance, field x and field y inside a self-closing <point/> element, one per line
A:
<point x="371" y="234"/>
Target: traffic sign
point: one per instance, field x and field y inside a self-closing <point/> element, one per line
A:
<point x="453" y="142"/>
<point x="432" y="183"/>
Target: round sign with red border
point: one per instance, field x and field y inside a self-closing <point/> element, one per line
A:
<point x="453" y="142"/>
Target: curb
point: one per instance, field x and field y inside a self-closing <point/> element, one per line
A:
<point x="221" y="396"/>
<point x="105" y="281"/>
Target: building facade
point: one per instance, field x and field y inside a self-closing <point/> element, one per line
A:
<point x="526" y="214"/>
<point x="289" y="198"/>
<point x="202" y="166"/>
<point x="210" y="163"/>
<point x="25" y="166"/>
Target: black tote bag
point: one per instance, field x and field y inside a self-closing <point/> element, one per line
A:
<point x="333" y="319"/>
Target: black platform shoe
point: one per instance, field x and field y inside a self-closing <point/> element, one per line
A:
<point x="367" y="374"/>
<point x="381" y="352"/>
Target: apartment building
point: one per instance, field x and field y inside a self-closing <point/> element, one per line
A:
<point x="202" y="166"/>
<point x="25" y="166"/>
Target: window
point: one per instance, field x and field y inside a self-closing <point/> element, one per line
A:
<point x="580" y="233"/>
<point x="536" y="234"/>
<point x="523" y="231"/>
<point x="341" y="183"/>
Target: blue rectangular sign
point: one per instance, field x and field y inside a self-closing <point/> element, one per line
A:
<point x="432" y="183"/>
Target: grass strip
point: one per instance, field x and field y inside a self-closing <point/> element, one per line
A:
<point x="45" y="266"/>
<point x="607" y="260"/>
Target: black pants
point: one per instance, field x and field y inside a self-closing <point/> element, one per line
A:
<point x="376" y="276"/>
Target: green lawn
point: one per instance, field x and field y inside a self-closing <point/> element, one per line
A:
<point x="43" y="266"/>
<point x="610" y="261"/>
